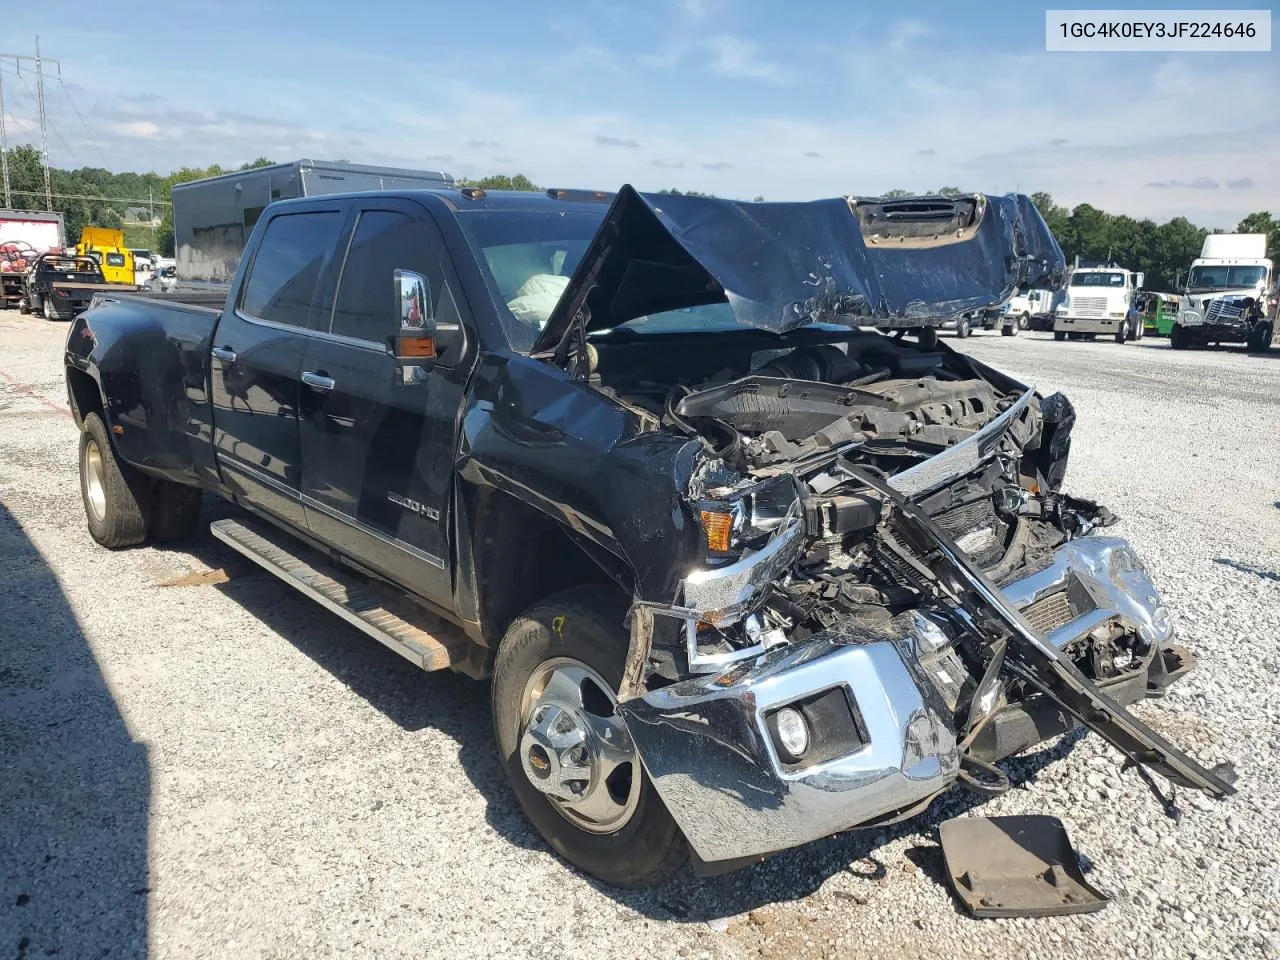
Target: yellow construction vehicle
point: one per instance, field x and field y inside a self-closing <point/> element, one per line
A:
<point x="106" y="245"/>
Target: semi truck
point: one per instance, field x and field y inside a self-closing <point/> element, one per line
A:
<point x="1098" y="301"/>
<point x="1230" y="296"/>
<point x="212" y="218"/>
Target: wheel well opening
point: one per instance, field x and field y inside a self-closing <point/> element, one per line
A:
<point x="84" y="394"/>
<point x="522" y="555"/>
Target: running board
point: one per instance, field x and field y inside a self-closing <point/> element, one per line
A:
<point x="359" y="601"/>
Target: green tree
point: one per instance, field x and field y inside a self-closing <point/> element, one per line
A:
<point x="948" y="191"/>
<point x="896" y="192"/>
<point x="502" y="181"/>
<point x="1055" y="217"/>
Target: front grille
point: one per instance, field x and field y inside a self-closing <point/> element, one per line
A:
<point x="1089" y="306"/>
<point x="1049" y="613"/>
<point x="1221" y="310"/>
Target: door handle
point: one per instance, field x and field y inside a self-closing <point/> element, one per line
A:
<point x="225" y="354"/>
<point x="318" y="380"/>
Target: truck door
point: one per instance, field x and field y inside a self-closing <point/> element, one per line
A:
<point x="377" y="451"/>
<point x="257" y="361"/>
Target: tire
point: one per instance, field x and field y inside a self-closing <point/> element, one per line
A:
<point x="1122" y="331"/>
<point x="963" y="328"/>
<point x="117" y="498"/>
<point x="582" y="625"/>
<point x="1179" y="339"/>
<point x="1261" y="336"/>
<point x="1024" y="321"/>
<point x="175" y="512"/>
<point x="1009" y="331"/>
<point x="50" y="313"/>
<point x="24" y="307"/>
<point x="1059" y="335"/>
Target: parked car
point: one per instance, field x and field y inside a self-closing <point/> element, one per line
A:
<point x="163" y="279"/>
<point x="744" y="574"/>
<point x="59" y="285"/>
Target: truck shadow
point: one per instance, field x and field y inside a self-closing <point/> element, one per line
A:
<point x="459" y="707"/>
<point x="75" y="787"/>
<point x="1261" y="572"/>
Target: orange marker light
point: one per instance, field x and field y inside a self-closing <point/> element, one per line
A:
<point x="718" y="527"/>
<point x="420" y="348"/>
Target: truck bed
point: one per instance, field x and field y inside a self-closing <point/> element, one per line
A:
<point x="205" y="300"/>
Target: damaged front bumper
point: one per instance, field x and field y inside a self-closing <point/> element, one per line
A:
<point x="711" y="751"/>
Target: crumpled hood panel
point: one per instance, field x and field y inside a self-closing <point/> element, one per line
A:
<point x="907" y="262"/>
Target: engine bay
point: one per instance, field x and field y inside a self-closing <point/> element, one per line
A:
<point x="785" y="437"/>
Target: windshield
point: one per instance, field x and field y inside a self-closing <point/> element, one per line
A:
<point x="527" y="257"/>
<point x="1097" y="279"/>
<point x="1224" y="277"/>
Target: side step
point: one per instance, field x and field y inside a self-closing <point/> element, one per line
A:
<point x="392" y="621"/>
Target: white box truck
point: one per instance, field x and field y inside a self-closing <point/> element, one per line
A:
<point x="212" y="218"/>
<point x="1231" y="295"/>
<point x="1097" y="301"/>
<point x="24" y="235"/>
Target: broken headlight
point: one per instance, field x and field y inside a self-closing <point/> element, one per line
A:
<point x="743" y="519"/>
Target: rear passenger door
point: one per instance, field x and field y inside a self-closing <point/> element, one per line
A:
<point x="257" y="360"/>
<point x="377" y="446"/>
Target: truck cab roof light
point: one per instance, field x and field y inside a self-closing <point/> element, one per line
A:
<point x="557" y="193"/>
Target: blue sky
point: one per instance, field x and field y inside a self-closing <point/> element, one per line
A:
<point x="790" y="101"/>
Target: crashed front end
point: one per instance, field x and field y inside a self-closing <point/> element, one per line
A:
<point x="895" y="591"/>
<point x="831" y="614"/>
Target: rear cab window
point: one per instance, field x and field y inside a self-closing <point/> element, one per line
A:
<point x="286" y="267"/>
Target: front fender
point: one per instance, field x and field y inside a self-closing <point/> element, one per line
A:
<point x="586" y="461"/>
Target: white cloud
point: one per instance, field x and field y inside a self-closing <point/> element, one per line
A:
<point x="733" y="56"/>
<point x="135" y="129"/>
<point x="859" y="112"/>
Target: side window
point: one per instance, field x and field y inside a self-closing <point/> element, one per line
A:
<point x="287" y="265"/>
<point x="384" y="241"/>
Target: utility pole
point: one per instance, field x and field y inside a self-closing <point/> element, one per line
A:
<point x="4" y="147"/>
<point x="44" y="130"/>
<point x="39" y="61"/>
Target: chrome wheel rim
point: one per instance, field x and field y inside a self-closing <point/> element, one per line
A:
<point x="575" y="748"/>
<point x="95" y="483"/>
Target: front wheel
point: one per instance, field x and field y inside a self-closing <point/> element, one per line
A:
<point x="24" y="307"/>
<point x="1024" y="321"/>
<point x="117" y="498"/>
<point x="1059" y="335"/>
<point x="1009" y="330"/>
<point x="566" y="750"/>
<point x="962" y="328"/>
<point x="1261" y="336"/>
<point x="1179" y="339"/>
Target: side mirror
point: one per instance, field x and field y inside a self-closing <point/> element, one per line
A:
<point x="1138" y="278"/>
<point x="415" y="344"/>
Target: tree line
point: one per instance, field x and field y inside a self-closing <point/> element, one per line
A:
<point x="94" y="196"/>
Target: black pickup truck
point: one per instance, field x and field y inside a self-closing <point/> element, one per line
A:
<point x="750" y="556"/>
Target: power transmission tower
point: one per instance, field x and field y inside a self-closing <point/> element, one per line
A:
<point x="4" y="147"/>
<point x="39" y="61"/>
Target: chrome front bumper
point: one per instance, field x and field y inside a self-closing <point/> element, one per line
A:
<point x="705" y="745"/>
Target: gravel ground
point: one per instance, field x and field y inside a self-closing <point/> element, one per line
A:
<point x="201" y="763"/>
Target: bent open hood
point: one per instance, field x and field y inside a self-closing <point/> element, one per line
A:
<point x="906" y="262"/>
